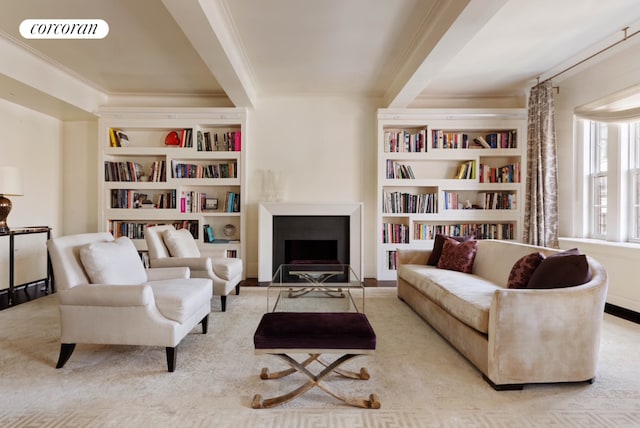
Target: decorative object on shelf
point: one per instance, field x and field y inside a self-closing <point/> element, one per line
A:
<point x="211" y="204"/>
<point x="229" y="230"/>
<point x="172" y="139"/>
<point x="10" y="185"/>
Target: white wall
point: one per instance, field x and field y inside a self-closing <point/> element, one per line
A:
<point x="321" y="149"/>
<point x="33" y="142"/>
<point x="80" y="177"/>
<point x="615" y="73"/>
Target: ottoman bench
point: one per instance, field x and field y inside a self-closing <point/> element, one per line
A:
<point x="314" y="333"/>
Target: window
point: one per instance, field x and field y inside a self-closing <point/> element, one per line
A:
<point x="634" y="181"/>
<point x="613" y="177"/>
<point x="598" y="179"/>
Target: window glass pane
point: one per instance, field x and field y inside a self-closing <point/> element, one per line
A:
<point x="634" y="181"/>
<point x="599" y="140"/>
<point x="635" y="206"/>
<point x="599" y="213"/>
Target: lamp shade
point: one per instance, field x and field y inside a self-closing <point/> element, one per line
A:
<point x="10" y="181"/>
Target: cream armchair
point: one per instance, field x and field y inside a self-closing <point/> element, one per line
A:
<point x="169" y="247"/>
<point x="107" y="297"/>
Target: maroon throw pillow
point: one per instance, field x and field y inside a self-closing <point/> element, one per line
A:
<point x="438" y="244"/>
<point x="458" y="256"/>
<point x="565" y="269"/>
<point x="522" y="270"/>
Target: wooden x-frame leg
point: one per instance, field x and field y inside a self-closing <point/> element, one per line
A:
<point x="315" y="380"/>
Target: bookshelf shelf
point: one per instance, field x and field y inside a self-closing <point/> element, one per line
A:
<point x="443" y="152"/>
<point x="178" y="173"/>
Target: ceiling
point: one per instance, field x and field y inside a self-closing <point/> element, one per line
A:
<point x="401" y="51"/>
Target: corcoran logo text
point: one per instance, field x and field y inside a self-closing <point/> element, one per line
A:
<point x="64" y="29"/>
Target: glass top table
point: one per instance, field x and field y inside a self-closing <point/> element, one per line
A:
<point x="315" y="287"/>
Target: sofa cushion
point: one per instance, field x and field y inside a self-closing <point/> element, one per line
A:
<point x="438" y="244"/>
<point x="565" y="269"/>
<point x="458" y="256"/>
<point x="180" y="243"/>
<point x="465" y="296"/>
<point x="177" y="299"/>
<point x="113" y="262"/>
<point x="523" y="269"/>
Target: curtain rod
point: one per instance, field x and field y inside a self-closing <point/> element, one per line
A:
<point x="624" y="39"/>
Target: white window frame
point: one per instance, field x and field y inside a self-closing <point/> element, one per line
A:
<point x="620" y="218"/>
<point x="633" y="179"/>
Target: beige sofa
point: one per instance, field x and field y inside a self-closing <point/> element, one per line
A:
<point x="513" y="336"/>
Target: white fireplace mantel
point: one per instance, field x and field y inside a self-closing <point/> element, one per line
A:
<point x="265" y="229"/>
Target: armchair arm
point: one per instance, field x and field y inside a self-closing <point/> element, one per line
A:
<point x="193" y="263"/>
<point x="156" y="274"/>
<point x="107" y="295"/>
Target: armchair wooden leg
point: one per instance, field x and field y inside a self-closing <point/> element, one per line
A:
<point x="238" y="289"/>
<point x="223" y="302"/>
<point x="171" y="359"/>
<point x="66" y="349"/>
<point x="205" y="324"/>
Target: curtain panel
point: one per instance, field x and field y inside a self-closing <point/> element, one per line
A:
<point x="541" y="204"/>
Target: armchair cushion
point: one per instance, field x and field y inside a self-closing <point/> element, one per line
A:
<point x="227" y="268"/>
<point x="180" y="243"/>
<point x="113" y="262"/>
<point x="178" y="299"/>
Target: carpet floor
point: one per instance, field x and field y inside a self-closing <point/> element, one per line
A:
<point x="420" y="379"/>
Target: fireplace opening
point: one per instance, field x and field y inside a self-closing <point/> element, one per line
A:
<point x="310" y="240"/>
<point x="311" y="251"/>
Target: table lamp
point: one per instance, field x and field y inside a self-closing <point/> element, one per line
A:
<point x="11" y="185"/>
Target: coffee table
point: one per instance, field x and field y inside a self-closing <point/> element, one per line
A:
<point x="315" y="287"/>
<point x="315" y="313"/>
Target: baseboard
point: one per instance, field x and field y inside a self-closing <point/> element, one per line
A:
<point x="623" y="313"/>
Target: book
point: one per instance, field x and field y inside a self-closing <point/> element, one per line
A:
<point x="481" y="141"/>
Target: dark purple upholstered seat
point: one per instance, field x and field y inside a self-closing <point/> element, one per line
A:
<point x="314" y="330"/>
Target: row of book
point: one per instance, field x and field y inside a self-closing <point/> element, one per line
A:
<point x="392" y="260"/>
<point x="121" y="171"/>
<point x="230" y="141"/>
<point x="504" y="174"/>
<point x="397" y="169"/>
<point x="459" y="140"/>
<point x="425" y="231"/>
<point x="466" y="171"/>
<point x="219" y="170"/>
<point x="394" y="233"/>
<point x="485" y="201"/>
<point x="135" y="230"/>
<point x="405" y="141"/>
<point x="192" y="202"/>
<point x="231" y="202"/>
<point x="497" y="201"/>
<point x="127" y="198"/>
<point x="404" y="202"/>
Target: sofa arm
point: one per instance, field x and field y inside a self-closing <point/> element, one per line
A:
<point x="546" y="335"/>
<point x="157" y="274"/>
<point x="107" y="295"/>
<point x="416" y="257"/>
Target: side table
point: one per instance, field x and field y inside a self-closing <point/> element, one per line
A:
<point x="12" y="286"/>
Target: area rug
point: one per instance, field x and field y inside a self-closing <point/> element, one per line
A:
<point x="420" y="379"/>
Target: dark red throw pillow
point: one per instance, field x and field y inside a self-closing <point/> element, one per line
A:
<point x="458" y="256"/>
<point x="565" y="269"/>
<point x="438" y="244"/>
<point x="523" y="269"/>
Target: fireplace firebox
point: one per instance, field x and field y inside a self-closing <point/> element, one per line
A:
<point x="310" y="240"/>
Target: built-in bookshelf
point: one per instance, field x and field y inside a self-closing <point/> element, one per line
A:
<point x="457" y="172"/>
<point x="183" y="166"/>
